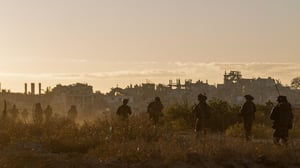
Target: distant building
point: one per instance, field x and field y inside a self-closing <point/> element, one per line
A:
<point x="77" y="94"/>
<point x="232" y="90"/>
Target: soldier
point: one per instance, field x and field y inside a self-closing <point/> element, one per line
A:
<point x="14" y="112"/>
<point x="202" y="114"/>
<point x="4" y="113"/>
<point x="72" y="113"/>
<point x="282" y="116"/>
<point x="154" y="110"/>
<point x="37" y="114"/>
<point x="248" y="113"/>
<point x="124" y="110"/>
<point x="48" y="113"/>
<point x="24" y="114"/>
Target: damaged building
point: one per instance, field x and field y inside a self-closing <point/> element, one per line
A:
<point x="88" y="102"/>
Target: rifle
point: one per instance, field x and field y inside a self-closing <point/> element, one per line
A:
<point x="277" y="89"/>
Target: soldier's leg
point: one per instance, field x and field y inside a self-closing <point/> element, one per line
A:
<point x="249" y="132"/>
<point x="198" y="128"/>
<point x="155" y="120"/>
<point x="151" y="117"/>
<point x="247" y="128"/>
<point x="285" y="135"/>
<point x="276" y="140"/>
<point x="284" y="141"/>
<point x="205" y="127"/>
<point x="276" y="136"/>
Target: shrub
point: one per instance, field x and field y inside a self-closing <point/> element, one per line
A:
<point x="259" y="131"/>
<point x="222" y="115"/>
<point x="180" y="116"/>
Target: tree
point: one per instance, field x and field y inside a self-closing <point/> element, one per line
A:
<point x="296" y="83"/>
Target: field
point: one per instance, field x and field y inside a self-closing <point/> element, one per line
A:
<point x="108" y="141"/>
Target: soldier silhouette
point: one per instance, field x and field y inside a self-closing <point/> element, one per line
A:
<point x="24" y="114"/>
<point x="202" y="114"/>
<point x="72" y="113"/>
<point x="282" y="117"/>
<point x="14" y="112"/>
<point x="37" y="114"/>
<point x="48" y="113"/>
<point x="124" y="110"/>
<point x="154" y="110"/>
<point x="4" y="113"/>
<point x="248" y="113"/>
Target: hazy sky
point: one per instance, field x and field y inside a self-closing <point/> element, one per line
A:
<point x="110" y="42"/>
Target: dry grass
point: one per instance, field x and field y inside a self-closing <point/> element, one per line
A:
<point x="136" y="143"/>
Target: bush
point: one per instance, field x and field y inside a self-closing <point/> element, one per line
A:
<point x="180" y="116"/>
<point x="222" y="115"/>
<point x="259" y="131"/>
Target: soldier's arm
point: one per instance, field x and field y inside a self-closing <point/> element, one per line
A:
<point x="129" y="111"/>
<point x="118" y="111"/>
<point x="254" y="107"/>
<point x="274" y="113"/>
<point x="148" y="107"/>
<point x="242" y="110"/>
<point x="194" y="110"/>
<point x="291" y="112"/>
<point x="208" y="111"/>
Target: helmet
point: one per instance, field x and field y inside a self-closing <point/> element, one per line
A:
<point x="249" y="97"/>
<point x="202" y="97"/>
<point x="125" y="101"/>
<point x="281" y="98"/>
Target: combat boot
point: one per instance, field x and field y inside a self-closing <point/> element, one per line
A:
<point x="276" y="140"/>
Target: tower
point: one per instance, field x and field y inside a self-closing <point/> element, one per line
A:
<point x="25" y="88"/>
<point x="40" y="88"/>
<point x="32" y="88"/>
